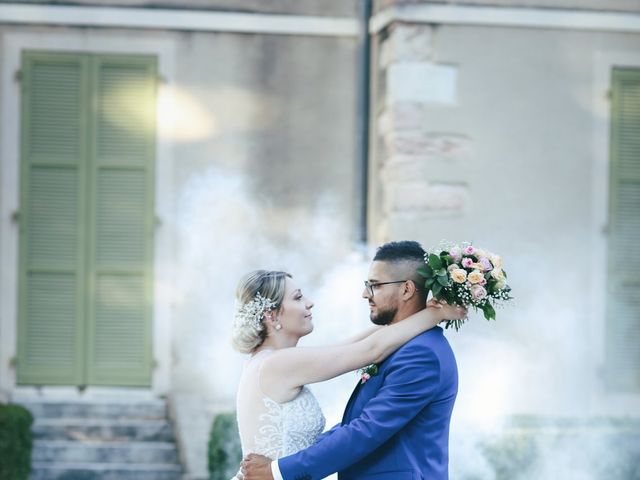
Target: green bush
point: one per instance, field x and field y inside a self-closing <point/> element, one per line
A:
<point x="15" y="442"/>
<point x="225" y="452"/>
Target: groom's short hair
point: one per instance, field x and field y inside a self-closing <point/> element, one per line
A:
<point x="408" y="256"/>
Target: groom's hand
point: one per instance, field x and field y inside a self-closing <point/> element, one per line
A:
<point x="256" y="467"/>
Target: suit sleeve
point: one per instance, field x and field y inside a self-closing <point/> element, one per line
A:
<point x="327" y="433"/>
<point x="411" y="382"/>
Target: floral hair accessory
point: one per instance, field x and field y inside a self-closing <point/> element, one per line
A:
<point x="367" y="372"/>
<point x="252" y="312"/>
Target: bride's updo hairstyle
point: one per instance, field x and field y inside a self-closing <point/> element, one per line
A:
<point x="258" y="292"/>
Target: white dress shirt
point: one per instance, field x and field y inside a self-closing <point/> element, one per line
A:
<point x="275" y="471"/>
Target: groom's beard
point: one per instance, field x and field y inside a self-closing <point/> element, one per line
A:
<point x="384" y="317"/>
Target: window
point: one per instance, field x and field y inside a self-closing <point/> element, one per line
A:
<point x="86" y="219"/>
<point x="623" y="295"/>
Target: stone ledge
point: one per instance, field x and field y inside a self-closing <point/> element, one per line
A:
<point x="426" y="145"/>
<point x="69" y="451"/>
<point x="101" y="471"/>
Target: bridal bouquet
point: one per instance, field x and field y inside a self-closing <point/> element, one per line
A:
<point x="466" y="276"/>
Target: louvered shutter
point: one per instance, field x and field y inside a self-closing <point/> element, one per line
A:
<point x="51" y="278"/>
<point x="121" y="220"/>
<point x="623" y="302"/>
<point x="87" y="219"/>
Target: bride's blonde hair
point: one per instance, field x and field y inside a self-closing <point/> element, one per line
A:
<point x="249" y="333"/>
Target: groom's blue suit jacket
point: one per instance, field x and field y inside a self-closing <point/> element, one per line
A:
<point x="395" y="426"/>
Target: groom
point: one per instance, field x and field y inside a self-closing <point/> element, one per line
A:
<point x="396" y="424"/>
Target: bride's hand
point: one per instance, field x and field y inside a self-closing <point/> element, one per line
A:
<point x="448" y="312"/>
<point x="433" y="303"/>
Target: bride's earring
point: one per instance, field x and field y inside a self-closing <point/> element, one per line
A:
<point x="278" y="326"/>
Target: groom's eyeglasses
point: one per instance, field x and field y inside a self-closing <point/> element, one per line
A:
<point x="370" y="286"/>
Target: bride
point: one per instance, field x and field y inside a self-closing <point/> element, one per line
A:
<point x="277" y="414"/>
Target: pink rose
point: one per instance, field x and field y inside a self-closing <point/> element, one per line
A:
<point x="470" y="250"/>
<point x="478" y="292"/>
<point x="365" y="377"/>
<point x="456" y="253"/>
<point x="467" y="262"/>
<point x="486" y="264"/>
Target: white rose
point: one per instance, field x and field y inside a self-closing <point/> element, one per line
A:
<point x="459" y="275"/>
<point x="476" y="276"/>
<point x="497" y="273"/>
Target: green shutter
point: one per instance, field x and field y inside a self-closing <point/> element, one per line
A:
<point x="87" y="230"/>
<point x="50" y="327"/>
<point x="623" y="302"/>
<point x="122" y="221"/>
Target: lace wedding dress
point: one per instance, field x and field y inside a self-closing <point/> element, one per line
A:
<point x="270" y="428"/>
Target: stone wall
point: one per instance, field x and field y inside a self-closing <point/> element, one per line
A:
<point x="256" y="169"/>
<point x="498" y="136"/>
<point x="415" y="158"/>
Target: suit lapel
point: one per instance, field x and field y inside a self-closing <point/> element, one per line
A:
<point x="352" y="398"/>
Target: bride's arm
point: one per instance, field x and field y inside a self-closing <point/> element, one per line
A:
<point x="365" y="333"/>
<point x="288" y="369"/>
<point x="359" y="336"/>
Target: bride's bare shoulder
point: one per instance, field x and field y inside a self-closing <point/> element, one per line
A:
<point x="273" y="376"/>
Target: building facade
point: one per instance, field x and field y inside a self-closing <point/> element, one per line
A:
<point x="152" y="152"/>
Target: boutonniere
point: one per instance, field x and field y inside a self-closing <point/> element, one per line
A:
<point x="367" y="372"/>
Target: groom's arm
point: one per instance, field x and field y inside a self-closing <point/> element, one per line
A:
<point x="275" y="468"/>
<point x="259" y="467"/>
<point x="410" y="384"/>
<point x="327" y="433"/>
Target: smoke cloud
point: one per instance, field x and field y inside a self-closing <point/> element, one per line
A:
<point x="525" y="407"/>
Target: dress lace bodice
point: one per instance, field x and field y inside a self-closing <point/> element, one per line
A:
<point x="289" y="427"/>
<point x="270" y="428"/>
